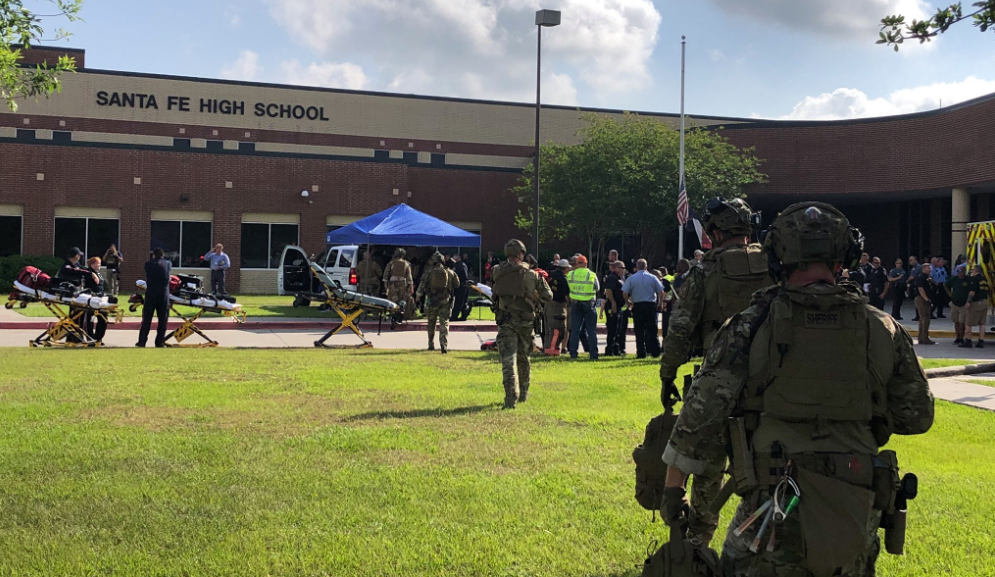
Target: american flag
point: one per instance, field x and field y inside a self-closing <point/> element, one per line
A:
<point x="683" y="216"/>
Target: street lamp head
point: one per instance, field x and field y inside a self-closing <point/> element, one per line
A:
<point x="547" y="18"/>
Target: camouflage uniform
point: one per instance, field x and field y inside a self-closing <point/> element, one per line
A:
<point x="438" y="303"/>
<point x="694" y="321"/>
<point x="369" y="273"/>
<point x="397" y="277"/>
<point x="518" y="292"/>
<point x="742" y="353"/>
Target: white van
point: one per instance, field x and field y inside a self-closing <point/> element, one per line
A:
<point x="294" y="274"/>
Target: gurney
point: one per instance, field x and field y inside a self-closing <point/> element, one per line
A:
<point x="349" y="305"/>
<point x="71" y="305"/>
<point x="186" y="291"/>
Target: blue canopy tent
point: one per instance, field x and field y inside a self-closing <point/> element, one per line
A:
<point x="402" y="225"/>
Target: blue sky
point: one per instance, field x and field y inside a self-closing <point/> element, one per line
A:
<point x="767" y="58"/>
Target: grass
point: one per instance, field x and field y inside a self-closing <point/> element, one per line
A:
<point x="936" y="363"/>
<point x="986" y="382"/>
<point x="255" y="306"/>
<point x="249" y="462"/>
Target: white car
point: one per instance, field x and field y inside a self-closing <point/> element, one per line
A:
<point x="294" y="276"/>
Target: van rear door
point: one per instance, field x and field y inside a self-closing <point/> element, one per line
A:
<point x="294" y="275"/>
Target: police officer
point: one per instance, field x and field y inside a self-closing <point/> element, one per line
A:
<point x="369" y="273"/>
<point x="397" y="279"/>
<point x="518" y="293"/>
<point x="809" y="382"/>
<point x="438" y="285"/>
<point x="157" y="273"/>
<point x="712" y="292"/>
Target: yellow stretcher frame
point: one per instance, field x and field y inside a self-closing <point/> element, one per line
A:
<point x="69" y="323"/>
<point x="348" y="311"/>
<point x="981" y="251"/>
<point x="189" y="326"/>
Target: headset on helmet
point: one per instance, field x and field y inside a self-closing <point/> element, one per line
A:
<point x="810" y="232"/>
<point x="436" y="258"/>
<point x="732" y="216"/>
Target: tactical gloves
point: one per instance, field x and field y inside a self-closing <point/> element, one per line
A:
<point x="675" y="506"/>
<point x="669" y="395"/>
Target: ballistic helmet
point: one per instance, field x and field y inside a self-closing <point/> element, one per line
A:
<point x="514" y="248"/>
<point x="812" y="232"/>
<point x="399" y="253"/>
<point x="436" y="258"/>
<point x="731" y="216"/>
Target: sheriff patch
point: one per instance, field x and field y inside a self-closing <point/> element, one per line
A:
<point x="823" y="320"/>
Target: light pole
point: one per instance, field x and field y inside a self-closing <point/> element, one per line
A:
<point x="547" y="18"/>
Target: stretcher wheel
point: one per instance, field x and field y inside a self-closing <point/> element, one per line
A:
<point x="133" y="308"/>
<point x="8" y="305"/>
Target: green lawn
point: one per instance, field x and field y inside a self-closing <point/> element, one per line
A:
<point x="255" y="306"/>
<point x="986" y="382"/>
<point x="249" y="462"/>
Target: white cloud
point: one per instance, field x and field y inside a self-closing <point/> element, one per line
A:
<point x="482" y="48"/>
<point x="326" y="74"/>
<point x="715" y="54"/>
<point x="246" y="67"/>
<point x="849" y="19"/>
<point x="852" y="103"/>
<point x="235" y="21"/>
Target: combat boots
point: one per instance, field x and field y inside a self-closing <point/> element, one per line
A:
<point x="431" y="346"/>
<point x="523" y="395"/>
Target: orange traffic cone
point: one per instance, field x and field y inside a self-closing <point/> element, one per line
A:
<point x="554" y="349"/>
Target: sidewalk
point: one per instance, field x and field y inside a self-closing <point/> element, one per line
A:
<point x="959" y="390"/>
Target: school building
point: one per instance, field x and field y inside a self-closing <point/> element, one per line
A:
<point x="146" y="160"/>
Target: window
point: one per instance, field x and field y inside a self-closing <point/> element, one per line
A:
<point x="25" y="134"/>
<point x="247" y="146"/>
<point x="183" y="242"/>
<point x="215" y="145"/>
<point x="10" y="235"/>
<point x="438" y="159"/>
<point x="410" y="156"/>
<point x="181" y="143"/>
<point x="381" y="154"/>
<point x="92" y="235"/>
<point x="263" y="244"/>
<point x="62" y="136"/>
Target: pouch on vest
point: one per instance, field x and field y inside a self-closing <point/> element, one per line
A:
<point x="743" y="272"/>
<point x="438" y="280"/>
<point x="651" y="471"/>
<point x="682" y="558"/>
<point x="397" y="269"/>
<point x="836" y="522"/>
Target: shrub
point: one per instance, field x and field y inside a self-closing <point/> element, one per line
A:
<point x="11" y="265"/>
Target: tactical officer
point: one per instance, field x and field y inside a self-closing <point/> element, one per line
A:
<point x="807" y="384"/>
<point x="397" y="278"/>
<point x="711" y="293"/>
<point x="438" y="284"/>
<point x="369" y="273"/>
<point x="518" y="293"/>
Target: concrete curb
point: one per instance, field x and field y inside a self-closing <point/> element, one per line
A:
<point x="943" y="372"/>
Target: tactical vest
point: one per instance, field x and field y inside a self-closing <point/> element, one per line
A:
<point x="438" y="279"/>
<point x="398" y="269"/>
<point x="813" y="361"/>
<point x="515" y="288"/>
<point x="367" y="272"/>
<point x="738" y="272"/>
<point x="581" y="283"/>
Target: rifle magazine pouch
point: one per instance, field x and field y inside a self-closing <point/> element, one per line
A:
<point x="835" y="519"/>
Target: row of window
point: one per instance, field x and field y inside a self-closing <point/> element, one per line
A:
<point x="183" y="242"/>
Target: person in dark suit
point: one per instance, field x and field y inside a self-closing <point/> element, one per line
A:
<point x="462" y="292"/>
<point x="157" y="272"/>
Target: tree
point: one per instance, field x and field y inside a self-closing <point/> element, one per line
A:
<point x="623" y="179"/>
<point x="894" y="29"/>
<point x="19" y="29"/>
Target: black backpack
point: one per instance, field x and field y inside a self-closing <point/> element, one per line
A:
<point x="651" y="471"/>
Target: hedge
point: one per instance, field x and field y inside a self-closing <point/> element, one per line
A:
<point x="11" y="265"/>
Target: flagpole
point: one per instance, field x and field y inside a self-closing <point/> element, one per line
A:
<point x="680" y="236"/>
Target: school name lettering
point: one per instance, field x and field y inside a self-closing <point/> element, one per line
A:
<point x="211" y="106"/>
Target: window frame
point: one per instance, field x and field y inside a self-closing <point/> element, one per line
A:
<point x="180" y="237"/>
<point x="86" y="236"/>
<point x="20" y="242"/>
<point x="269" y="243"/>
